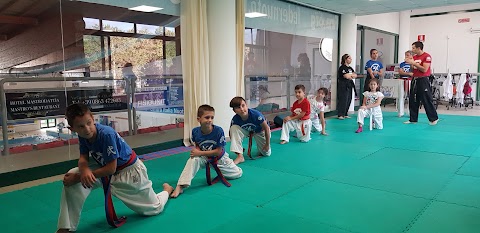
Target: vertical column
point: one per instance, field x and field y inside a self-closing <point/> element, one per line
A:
<point x="404" y="35"/>
<point x="348" y="43"/>
<point x="222" y="49"/>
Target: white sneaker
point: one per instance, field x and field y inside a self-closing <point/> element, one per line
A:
<point x="409" y="122"/>
<point x="433" y="122"/>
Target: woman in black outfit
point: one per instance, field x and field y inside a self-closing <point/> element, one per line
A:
<point x="345" y="76"/>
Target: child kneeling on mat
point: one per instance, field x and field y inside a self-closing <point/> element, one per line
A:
<point x="299" y="121"/>
<point x="245" y="122"/>
<point x="209" y="141"/>
<point x="120" y="173"/>
<point x="317" y="107"/>
<point x="371" y="106"/>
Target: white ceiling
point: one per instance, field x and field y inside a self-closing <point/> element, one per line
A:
<point x="368" y="7"/>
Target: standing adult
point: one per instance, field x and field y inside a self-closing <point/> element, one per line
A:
<point x="420" y="90"/>
<point x="374" y="69"/>
<point x="251" y="67"/>
<point x="345" y="76"/>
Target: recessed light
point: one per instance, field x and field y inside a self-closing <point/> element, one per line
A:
<point x="145" y="8"/>
<point x="255" y="15"/>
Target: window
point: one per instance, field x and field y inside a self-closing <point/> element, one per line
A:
<point x="92" y="23"/>
<point x="169" y="31"/>
<point x="115" y="26"/>
<point x="49" y="123"/>
<point x="288" y="48"/>
<point x="149" y="29"/>
<point x="255" y="45"/>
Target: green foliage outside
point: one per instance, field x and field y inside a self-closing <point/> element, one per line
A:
<point x="141" y="52"/>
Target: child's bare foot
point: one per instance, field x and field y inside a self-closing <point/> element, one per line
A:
<point x="178" y="190"/>
<point x="239" y="159"/>
<point x="63" y="231"/>
<point x="283" y="142"/>
<point x="168" y="188"/>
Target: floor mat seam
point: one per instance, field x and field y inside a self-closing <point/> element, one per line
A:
<point x="287" y="192"/>
<point x="407" y="149"/>
<point x="376" y="189"/>
<point x="415" y="219"/>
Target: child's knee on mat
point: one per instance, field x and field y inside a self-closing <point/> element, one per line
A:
<point x="235" y="175"/>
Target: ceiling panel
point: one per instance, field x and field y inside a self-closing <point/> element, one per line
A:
<point x="366" y="7"/>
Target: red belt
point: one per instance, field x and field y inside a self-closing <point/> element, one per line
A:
<point x="112" y="218"/>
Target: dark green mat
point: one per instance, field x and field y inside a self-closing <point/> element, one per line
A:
<point x="259" y="220"/>
<point x="404" y="178"/>
<point x="471" y="167"/>
<point x="447" y="218"/>
<point x="350" y="207"/>
<point x="462" y="190"/>
<point x="428" y="161"/>
<point x="395" y="179"/>
<point x="476" y="153"/>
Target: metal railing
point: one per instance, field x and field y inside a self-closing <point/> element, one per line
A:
<point x="279" y="88"/>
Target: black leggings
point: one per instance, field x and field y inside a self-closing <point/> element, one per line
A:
<point x="421" y="91"/>
<point x="344" y="97"/>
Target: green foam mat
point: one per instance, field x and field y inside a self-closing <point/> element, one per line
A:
<point x="266" y="220"/>
<point x="462" y="190"/>
<point x="396" y="179"/>
<point x="442" y="217"/>
<point x="471" y="167"/>
<point x="476" y="153"/>
<point x="404" y="178"/>
<point x="270" y="184"/>
<point x="350" y="207"/>
<point x="428" y="161"/>
<point x="19" y="212"/>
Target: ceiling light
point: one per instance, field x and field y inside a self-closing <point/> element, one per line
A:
<point x="255" y="15"/>
<point x="144" y="8"/>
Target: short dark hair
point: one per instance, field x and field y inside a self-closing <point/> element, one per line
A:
<point x="371" y="51"/>
<point x="323" y="89"/>
<point x="377" y="81"/>
<point x="76" y="110"/>
<point x="418" y="44"/>
<point x="236" y="102"/>
<point x="204" y="108"/>
<point x="300" y="87"/>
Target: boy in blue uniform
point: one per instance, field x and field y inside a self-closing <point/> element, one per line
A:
<point x="119" y="171"/>
<point x="209" y="141"/>
<point x="248" y="121"/>
<point x="373" y="68"/>
<point x="405" y="71"/>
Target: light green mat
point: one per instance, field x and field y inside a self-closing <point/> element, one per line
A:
<point x="404" y="178"/>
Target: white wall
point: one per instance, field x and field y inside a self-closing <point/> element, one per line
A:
<point x="387" y="22"/>
<point x="452" y="46"/>
<point x="386" y="51"/>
